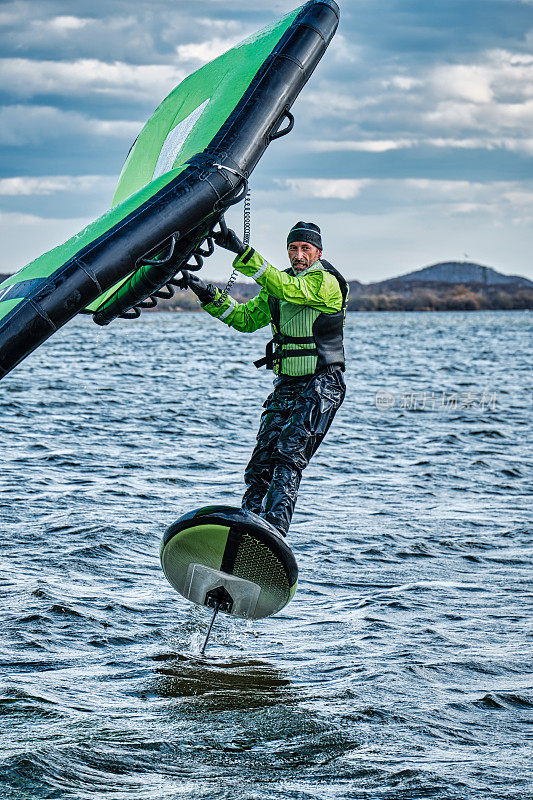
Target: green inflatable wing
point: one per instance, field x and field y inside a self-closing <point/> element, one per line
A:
<point x="190" y="162"/>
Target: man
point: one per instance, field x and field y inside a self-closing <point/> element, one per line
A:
<point x="305" y="306"/>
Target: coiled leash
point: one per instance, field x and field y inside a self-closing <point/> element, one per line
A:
<point x="246" y="232"/>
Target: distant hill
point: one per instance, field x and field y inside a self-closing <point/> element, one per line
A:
<point x="458" y="272"/>
<point x="446" y="286"/>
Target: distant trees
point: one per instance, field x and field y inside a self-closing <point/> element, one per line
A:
<point x="443" y="297"/>
<point x="401" y="296"/>
<point x="438" y="297"/>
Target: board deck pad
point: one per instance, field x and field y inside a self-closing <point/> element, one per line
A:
<point x="225" y="552"/>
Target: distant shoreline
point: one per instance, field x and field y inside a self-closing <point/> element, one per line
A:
<point x="177" y="310"/>
<point x="445" y="286"/>
<point x="410" y="297"/>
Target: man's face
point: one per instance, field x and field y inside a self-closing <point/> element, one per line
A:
<point x="302" y="255"/>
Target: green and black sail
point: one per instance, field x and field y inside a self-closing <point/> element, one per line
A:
<point x="190" y="162"/>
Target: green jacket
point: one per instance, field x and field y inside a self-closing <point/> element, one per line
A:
<point x="314" y="287"/>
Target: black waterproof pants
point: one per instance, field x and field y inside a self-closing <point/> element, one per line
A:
<point x="297" y="416"/>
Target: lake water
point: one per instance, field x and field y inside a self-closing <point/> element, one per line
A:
<point x="403" y="666"/>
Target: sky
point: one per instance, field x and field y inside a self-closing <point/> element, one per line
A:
<point x="413" y="139"/>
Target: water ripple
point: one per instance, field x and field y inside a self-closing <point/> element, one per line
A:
<point x="400" y="669"/>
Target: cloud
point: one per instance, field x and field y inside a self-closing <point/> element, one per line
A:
<point x="495" y="95"/>
<point x="486" y="105"/>
<point x="13" y="15"/>
<point x="227" y="26"/>
<point x="88" y="76"/>
<point x="395" y="225"/>
<point x="115" y="128"/>
<point x="51" y="184"/>
<point x="22" y="126"/>
<point x="67" y="24"/>
<point x="10" y="218"/>
<point x="363" y="146"/>
<point x="402" y="82"/>
<point x="148" y="33"/>
<point x="473" y="117"/>
<point x="202" y="52"/>
<point x="381" y="195"/>
<point x="497" y="91"/>
<point x="335" y="188"/>
<point x="26" y="236"/>
<point x="497" y="202"/>
<point x="35" y="29"/>
<point x="486" y="193"/>
<point x="328" y="101"/>
<point x="517" y="145"/>
<point x="466" y="82"/>
<point x="519" y="197"/>
<point x="406" y="91"/>
<point x="345" y="51"/>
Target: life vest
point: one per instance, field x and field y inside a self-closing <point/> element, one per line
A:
<point x="305" y="340"/>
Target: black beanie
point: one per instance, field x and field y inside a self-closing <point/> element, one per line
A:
<point x="305" y="232"/>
